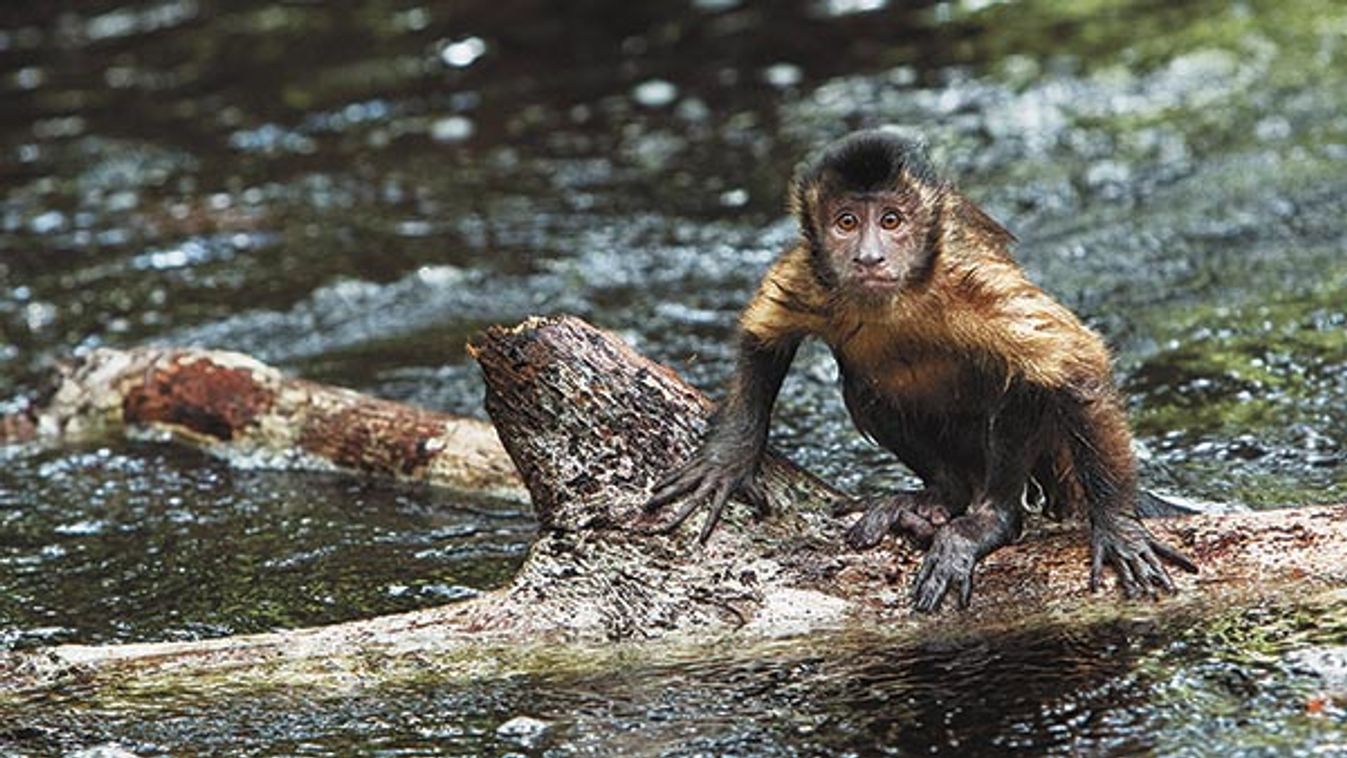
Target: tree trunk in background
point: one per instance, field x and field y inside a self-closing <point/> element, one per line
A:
<point x="591" y="425"/>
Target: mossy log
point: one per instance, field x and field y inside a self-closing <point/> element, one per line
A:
<point x="591" y="425"/>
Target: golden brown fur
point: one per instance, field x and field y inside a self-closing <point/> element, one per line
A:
<point x="976" y="313"/>
<point x="976" y="306"/>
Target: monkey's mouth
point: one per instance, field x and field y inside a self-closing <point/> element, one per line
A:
<point x="877" y="282"/>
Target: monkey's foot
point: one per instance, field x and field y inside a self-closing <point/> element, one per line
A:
<point x="1137" y="557"/>
<point x="947" y="566"/>
<point x="916" y="516"/>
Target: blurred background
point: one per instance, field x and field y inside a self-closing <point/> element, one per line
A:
<point x="350" y="190"/>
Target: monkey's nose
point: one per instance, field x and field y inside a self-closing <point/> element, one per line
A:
<point x="868" y="259"/>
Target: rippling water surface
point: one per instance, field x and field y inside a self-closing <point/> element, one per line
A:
<point x="351" y="190"/>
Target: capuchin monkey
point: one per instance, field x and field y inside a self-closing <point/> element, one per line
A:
<point x="976" y="379"/>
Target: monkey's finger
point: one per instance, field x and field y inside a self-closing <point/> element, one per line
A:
<point x="717" y="507"/>
<point x="1126" y="581"/>
<point x="676" y="478"/>
<point x="1173" y="556"/>
<point x="672" y="487"/>
<point x="756" y="495"/>
<point x="1145" y="578"/>
<point x="965" y="592"/>
<point x="676" y="473"/>
<point x="1156" y="572"/>
<point x="679" y="517"/>
<point x="1096" y="569"/>
<point x="923" y="574"/>
<point x="920" y="593"/>
<point x="694" y="501"/>
<point x="931" y="594"/>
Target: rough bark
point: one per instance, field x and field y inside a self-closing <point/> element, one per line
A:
<point x="253" y="415"/>
<point x="591" y="425"/>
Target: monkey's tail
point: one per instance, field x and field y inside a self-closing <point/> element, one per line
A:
<point x="1151" y="505"/>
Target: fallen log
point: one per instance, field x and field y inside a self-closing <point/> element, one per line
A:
<point x="590" y="425"/>
<point x="255" y="416"/>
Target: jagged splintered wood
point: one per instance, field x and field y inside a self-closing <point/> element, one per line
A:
<point x="591" y="425"/>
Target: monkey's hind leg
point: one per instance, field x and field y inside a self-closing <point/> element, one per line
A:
<point x="915" y="516"/>
<point x="995" y="517"/>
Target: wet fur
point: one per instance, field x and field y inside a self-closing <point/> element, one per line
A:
<point x="926" y="371"/>
<point x="950" y="357"/>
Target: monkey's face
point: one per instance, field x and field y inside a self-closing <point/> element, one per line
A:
<point x="874" y="242"/>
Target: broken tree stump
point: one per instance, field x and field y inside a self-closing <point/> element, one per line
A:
<point x="591" y="425"/>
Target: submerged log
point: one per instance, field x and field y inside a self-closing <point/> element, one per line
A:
<point x="591" y="425"/>
<point x="255" y="416"/>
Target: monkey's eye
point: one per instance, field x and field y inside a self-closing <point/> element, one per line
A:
<point x="890" y="220"/>
<point x="847" y="222"/>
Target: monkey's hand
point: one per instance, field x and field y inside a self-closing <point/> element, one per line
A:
<point x="1124" y="544"/>
<point x="722" y="468"/>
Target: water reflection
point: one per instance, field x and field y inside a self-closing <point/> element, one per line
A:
<point x="1115" y="689"/>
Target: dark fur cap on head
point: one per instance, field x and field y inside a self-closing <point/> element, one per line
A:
<point x="865" y="161"/>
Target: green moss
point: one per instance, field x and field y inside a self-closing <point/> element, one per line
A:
<point x="1252" y="367"/>
<point x="1101" y="33"/>
<point x="1260" y="380"/>
<point x="1233" y="680"/>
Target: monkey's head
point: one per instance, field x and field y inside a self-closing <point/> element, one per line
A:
<point x="867" y="206"/>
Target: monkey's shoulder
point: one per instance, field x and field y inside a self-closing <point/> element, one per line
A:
<point x="1018" y="333"/>
<point x="977" y="313"/>
<point x="994" y="304"/>
<point x="790" y="302"/>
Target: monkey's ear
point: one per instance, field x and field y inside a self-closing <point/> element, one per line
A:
<point x="974" y="223"/>
<point x="804" y="196"/>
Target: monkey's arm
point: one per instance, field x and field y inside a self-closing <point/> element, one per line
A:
<point x="788" y="305"/>
<point x="1054" y="351"/>
<point x="728" y="460"/>
<point x="1096" y="430"/>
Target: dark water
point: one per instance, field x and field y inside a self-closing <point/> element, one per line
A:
<point x="350" y="190"/>
<point x="1257" y="683"/>
<point x="155" y="543"/>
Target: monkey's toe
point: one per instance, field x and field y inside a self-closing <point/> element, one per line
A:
<point x="948" y="566"/>
<point x="870" y="529"/>
<point x="935" y="514"/>
<point x="900" y="516"/>
<point x="846" y="505"/>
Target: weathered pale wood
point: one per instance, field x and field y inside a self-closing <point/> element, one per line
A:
<point x="253" y="415"/>
<point x="591" y="425"/>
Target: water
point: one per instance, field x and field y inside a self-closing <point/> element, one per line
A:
<point x="157" y="543"/>
<point x="350" y="192"/>
<point x="1244" y="683"/>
